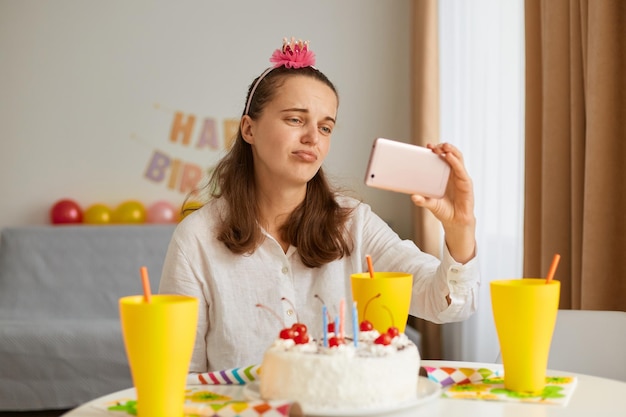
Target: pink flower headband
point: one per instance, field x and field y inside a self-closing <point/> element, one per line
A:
<point x="293" y="54"/>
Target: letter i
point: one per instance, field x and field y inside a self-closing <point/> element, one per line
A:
<point x="174" y="174"/>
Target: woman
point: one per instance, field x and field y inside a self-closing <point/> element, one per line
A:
<point x="274" y="233"/>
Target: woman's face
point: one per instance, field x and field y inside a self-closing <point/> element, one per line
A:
<point x="291" y="138"/>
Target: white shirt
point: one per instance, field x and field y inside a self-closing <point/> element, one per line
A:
<point x="233" y="332"/>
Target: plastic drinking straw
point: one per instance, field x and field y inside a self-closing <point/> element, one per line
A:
<point x="145" y="281"/>
<point x="552" y="271"/>
<point x="370" y="266"/>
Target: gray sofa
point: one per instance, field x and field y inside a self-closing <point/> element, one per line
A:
<point x="60" y="336"/>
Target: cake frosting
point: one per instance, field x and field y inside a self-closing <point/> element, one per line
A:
<point x="317" y="375"/>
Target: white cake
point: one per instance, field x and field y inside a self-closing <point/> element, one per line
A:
<point x="367" y="376"/>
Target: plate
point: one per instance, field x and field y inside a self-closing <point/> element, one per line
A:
<point x="427" y="390"/>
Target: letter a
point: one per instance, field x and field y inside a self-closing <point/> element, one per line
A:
<point x="208" y="137"/>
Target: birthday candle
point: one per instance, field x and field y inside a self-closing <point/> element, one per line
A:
<point x="336" y="326"/>
<point x="342" y="316"/>
<point x="355" y="325"/>
<point x="325" y="325"/>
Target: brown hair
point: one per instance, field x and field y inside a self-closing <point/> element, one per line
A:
<point x="316" y="227"/>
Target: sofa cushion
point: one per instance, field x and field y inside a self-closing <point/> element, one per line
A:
<point x="60" y="363"/>
<point x="60" y="334"/>
<point x="76" y="271"/>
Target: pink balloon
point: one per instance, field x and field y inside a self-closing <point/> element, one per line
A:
<point x="162" y="212"/>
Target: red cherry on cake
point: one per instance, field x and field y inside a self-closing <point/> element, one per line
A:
<point x="299" y="328"/>
<point x="286" y="333"/>
<point x="393" y="331"/>
<point x="300" y="334"/>
<point x="301" y="339"/>
<point x="335" y="341"/>
<point x="366" y="326"/>
<point x="383" y="339"/>
<point x="331" y="327"/>
<point x="297" y="332"/>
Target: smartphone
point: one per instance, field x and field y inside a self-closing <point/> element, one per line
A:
<point x="405" y="168"/>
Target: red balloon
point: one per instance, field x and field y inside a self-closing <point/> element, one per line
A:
<point x="66" y="211"/>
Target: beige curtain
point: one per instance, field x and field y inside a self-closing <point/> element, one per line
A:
<point x="575" y="196"/>
<point x="425" y="128"/>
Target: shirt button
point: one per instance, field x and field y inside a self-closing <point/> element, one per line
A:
<point x="453" y="281"/>
<point x="284" y="270"/>
<point x="454" y="270"/>
<point x="290" y="312"/>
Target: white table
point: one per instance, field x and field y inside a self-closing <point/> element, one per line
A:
<point x="593" y="396"/>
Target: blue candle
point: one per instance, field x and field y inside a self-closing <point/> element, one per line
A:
<point x="337" y="327"/>
<point x="325" y="325"/>
<point x="355" y="325"/>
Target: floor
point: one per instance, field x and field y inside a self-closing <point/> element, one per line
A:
<point x="43" y="413"/>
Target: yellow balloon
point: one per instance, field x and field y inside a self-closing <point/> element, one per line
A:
<point x="130" y="212"/>
<point x="97" y="214"/>
<point x="189" y="207"/>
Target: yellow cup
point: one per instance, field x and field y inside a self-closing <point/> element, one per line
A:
<point x="524" y="312"/>
<point x="159" y="337"/>
<point x="383" y="300"/>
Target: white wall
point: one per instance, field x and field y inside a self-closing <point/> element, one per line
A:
<point x="88" y="91"/>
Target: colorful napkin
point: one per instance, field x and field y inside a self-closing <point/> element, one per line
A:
<point x="488" y="384"/>
<point x="219" y="401"/>
<point x="234" y="376"/>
